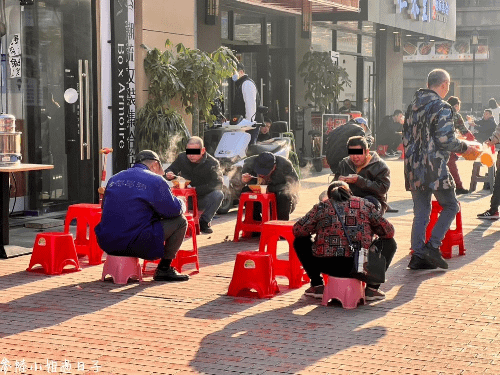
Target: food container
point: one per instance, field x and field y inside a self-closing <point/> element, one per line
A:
<point x="10" y="141"/>
<point x="10" y="148"/>
<point x="180" y="183"/>
<point x="258" y="188"/>
<point x="7" y="123"/>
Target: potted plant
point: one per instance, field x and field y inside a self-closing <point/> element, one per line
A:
<point x="194" y="78"/>
<point x="324" y="80"/>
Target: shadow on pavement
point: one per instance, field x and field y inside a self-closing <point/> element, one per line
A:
<point x="34" y="311"/>
<point x="290" y="339"/>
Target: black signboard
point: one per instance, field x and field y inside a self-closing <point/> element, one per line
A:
<point x="123" y="83"/>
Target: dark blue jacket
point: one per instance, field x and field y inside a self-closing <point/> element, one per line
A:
<point x="134" y="202"/>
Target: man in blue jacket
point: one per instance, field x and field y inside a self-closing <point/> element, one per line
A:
<point x="141" y="218"/>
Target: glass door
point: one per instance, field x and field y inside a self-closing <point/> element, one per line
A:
<point x="58" y="81"/>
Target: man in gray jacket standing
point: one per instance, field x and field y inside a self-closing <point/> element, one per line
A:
<point x="428" y="139"/>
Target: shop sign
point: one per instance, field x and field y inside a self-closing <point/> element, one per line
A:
<point x="424" y="10"/>
<point x="123" y="83"/>
<point x="460" y="50"/>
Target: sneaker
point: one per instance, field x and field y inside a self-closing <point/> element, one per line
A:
<point x="374" y="294"/>
<point x="461" y="191"/>
<point x="315" y="291"/>
<point x="205" y="227"/>
<point x="417" y="263"/>
<point x="433" y="256"/>
<point x="169" y="274"/>
<point x="488" y="215"/>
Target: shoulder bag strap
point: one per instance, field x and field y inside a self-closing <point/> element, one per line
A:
<point x="343" y="226"/>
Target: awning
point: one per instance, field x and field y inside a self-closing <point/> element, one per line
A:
<point x="295" y="6"/>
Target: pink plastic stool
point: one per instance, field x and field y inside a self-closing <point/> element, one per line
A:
<point x="349" y="292"/>
<point x="253" y="270"/>
<point x="53" y="251"/>
<point x="121" y="269"/>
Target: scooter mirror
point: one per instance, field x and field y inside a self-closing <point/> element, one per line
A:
<point x="262" y="109"/>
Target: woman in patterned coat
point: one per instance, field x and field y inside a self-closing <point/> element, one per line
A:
<point x="329" y="252"/>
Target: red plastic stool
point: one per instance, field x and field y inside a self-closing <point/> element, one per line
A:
<point x="183" y="256"/>
<point x="382" y="150"/>
<point x="247" y="224"/>
<point x="187" y="193"/>
<point x="121" y="269"/>
<point x="291" y="268"/>
<point x="350" y="292"/>
<point x="87" y="217"/>
<point x="253" y="270"/>
<point x="454" y="237"/>
<point x="53" y="251"/>
<point x="402" y="149"/>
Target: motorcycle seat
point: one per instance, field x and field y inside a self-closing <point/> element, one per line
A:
<point x="258" y="148"/>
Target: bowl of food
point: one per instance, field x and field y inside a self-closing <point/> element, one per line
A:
<point x="180" y="183"/>
<point x="258" y="188"/>
<point x="425" y="48"/>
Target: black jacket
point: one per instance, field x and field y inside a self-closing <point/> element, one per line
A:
<point x="336" y="146"/>
<point x="284" y="179"/>
<point x="374" y="179"/>
<point x="205" y="176"/>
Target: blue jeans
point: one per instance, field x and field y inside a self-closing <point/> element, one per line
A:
<point x="422" y="211"/>
<point x="209" y="204"/>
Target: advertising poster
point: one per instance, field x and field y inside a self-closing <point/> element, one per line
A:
<point x="330" y="122"/>
<point x="460" y="50"/>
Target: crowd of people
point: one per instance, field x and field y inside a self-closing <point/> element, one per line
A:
<point x="142" y="218"/>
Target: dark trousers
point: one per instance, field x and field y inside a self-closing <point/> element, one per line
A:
<point x="285" y="205"/>
<point x="453" y="168"/>
<point x="335" y="266"/>
<point x="495" y="197"/>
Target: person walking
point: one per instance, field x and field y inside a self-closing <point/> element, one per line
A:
<point x="428" y="139"/>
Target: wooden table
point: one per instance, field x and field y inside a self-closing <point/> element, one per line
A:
<point x="4" y="201"/>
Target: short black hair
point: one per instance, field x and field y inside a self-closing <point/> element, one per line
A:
<point x="454" y="100"/>
<point x="488" y="110"/>
<point x="397" y="112"/>
<point x="240" y="66"/>
<point x="358" y="140"/>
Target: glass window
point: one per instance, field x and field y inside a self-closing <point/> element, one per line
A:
<point x="247" y="29"/>
<point x="321" y="39"/>
<point x="224" y="19"/>
<point x="347" y="42"/>
<point x="367" y="44"/>
<point x="269" y="33"/>
<point x="351" y="25"/>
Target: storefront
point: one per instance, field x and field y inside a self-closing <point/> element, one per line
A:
<point x="49" y="82"/>
<point x="370" y="47"/>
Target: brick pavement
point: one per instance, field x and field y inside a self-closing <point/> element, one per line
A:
<point x="432" y="322"/>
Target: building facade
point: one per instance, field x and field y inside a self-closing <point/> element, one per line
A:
<point x="72" y="72"/>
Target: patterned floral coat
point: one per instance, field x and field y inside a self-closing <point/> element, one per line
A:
<point x="361" y="221"/>
<point x="428" y="139"/>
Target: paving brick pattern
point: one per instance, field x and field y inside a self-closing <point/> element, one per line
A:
<point x="432" y="322"/>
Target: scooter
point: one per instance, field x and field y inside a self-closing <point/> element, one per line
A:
<point x="234" y="148"/>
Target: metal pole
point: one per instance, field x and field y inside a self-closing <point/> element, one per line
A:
<point x="473" y="75"/>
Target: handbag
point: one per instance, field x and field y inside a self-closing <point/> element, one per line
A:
<point x="369" y="264"/>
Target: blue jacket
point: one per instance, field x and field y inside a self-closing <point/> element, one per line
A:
<point x="428" y="139"/>
<point x="134" y="202"/>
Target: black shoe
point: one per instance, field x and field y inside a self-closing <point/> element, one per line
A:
<point x="461" y="191"/>
<point x="169" y="274"/>
<point x="417" y="263"/>
<point x="205" y="227"/>
<point x="434" y="257"/>
<point x="390" y="209"/>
